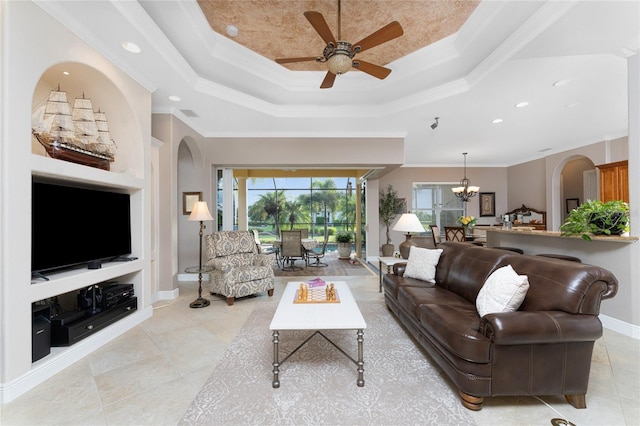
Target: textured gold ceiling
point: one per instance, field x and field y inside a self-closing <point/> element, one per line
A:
<point x="278" y="28"/>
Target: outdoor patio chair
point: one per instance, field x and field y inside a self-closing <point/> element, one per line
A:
<point x="266" y="248"/>
<point x="292" y="250"/>
<point x="318" y="252"/>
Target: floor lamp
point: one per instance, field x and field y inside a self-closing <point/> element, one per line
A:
<point x="200" y="213"/>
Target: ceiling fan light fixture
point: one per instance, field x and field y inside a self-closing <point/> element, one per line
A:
<point x="339" y="63"/>
<point x="339" y="57"/>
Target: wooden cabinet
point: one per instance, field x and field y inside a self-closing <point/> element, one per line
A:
<point x="614" y="181"/>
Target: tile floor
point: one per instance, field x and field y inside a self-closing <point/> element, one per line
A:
<point x="150" y="375"/>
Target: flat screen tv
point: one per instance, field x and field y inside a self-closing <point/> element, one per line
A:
<point x="72" y="226"/>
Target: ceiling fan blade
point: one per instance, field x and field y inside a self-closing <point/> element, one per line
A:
<point x="384" y="34"/>
<point x="327" y="83"/>
<point x="372" y="69"/>
<point x="290" y="60"/>
<point x="320" y="25"/>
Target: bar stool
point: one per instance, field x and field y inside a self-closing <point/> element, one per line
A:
<point x="514" y="249"/>
<point x="561" y="256"/>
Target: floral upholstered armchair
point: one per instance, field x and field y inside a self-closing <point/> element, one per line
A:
<point x="237" y="268"/>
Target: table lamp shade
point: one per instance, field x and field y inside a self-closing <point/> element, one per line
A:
<point x="408" y="223"/>
<point x="200" y="212"/>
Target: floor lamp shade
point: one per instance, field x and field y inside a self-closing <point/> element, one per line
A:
<point x="408" y="223"/>
<point x="200" y="212"/>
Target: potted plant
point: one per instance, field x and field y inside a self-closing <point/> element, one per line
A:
<point x="597" y="218"/>
<point x="344" y="240"/>
<point x="388" y="207"/>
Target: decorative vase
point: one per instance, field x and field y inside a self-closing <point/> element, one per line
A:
<point x="344" y="250"/>
<point x="387" y="250"/>
<point x="468" y="231"/>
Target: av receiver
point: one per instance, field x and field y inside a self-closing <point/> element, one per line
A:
<point x="113" y="294"/>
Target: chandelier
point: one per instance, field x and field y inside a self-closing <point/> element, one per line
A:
<point x="465" y="190"/>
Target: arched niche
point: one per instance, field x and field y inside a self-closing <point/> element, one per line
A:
<point x="77" y="79"/>
<point x="190" y="161"/>
<point x="573" y="178"/>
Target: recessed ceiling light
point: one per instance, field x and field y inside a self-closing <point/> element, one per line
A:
<point x="572" y="105"/>
<point x="131" y="47"/>
<point x="561" y="83"/>
<point x="66" y="73"/>
<point x="497" y="121"/>
<point x="521" y="104"/>
<point x="232" y="30"/>
<point x="174" y="98"/>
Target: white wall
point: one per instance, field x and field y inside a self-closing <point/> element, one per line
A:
<point x="33" y="42"/>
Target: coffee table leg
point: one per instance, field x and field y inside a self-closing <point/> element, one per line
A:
<point x="360" y="358"/>
<point x="276" y="362"/>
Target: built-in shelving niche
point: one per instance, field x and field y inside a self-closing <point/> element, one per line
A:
<point x="126" y="175"/>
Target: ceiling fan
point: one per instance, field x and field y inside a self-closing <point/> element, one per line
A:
<point x="339" y="55"/>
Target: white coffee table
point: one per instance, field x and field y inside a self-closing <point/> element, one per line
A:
<point x="344" y="315"/>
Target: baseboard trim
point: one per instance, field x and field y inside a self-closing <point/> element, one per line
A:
<point x="621" y="327"/>
<point x="61" y="358"/>
<point x="165" y="295"/>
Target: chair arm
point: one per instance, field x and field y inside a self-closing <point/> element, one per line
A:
<point x="521" y="327"/>
<point x="220" y="264"/>
<point x="398" y="269"/>
<point x="263" y="260"/>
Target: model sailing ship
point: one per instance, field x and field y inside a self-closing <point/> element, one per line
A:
<point x="78" y="135"/>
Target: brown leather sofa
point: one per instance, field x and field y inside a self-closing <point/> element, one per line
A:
<point x="543" y="348"/>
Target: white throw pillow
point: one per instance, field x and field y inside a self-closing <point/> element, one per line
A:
<point x="503" y="291"/>
<point x="422" y="264"/>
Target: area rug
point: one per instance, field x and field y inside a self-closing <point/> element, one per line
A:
<point x="335" y="267"/>
<point x="318" y="383"/>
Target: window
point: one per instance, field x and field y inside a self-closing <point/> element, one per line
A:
<point x="436" y="204"/>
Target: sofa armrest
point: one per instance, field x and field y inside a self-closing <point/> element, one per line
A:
<point x="399" y="268"/>
<point x="522" y="327"/>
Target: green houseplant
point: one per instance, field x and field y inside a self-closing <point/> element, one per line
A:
<point x="344" y="240"/>
<point x="597" y="218"/>
<point x="389" y="205"/>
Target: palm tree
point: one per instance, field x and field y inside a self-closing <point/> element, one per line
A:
<point x="270" y="205"/>
<point x="296" y="212"/>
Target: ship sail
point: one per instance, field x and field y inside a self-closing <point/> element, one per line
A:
<point x="58" y="111"/>
<point x="84" y="121"/>
<point x="105" y="144"/>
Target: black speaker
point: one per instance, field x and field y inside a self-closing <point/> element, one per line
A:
<point x="40" y="332"/>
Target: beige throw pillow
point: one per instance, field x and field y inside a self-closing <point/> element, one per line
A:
<point x="503" y="291"/>
<point x="422" y="263"/>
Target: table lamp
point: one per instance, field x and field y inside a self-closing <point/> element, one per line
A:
<point x="408" y="223"/>
<point x="200" y="212"/>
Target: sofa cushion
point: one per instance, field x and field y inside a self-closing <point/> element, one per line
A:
<point x="422" y="263"/>
<point x="503" y="291"/>
<point x="457" y="328"/>
<point x="411" y="297"/>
